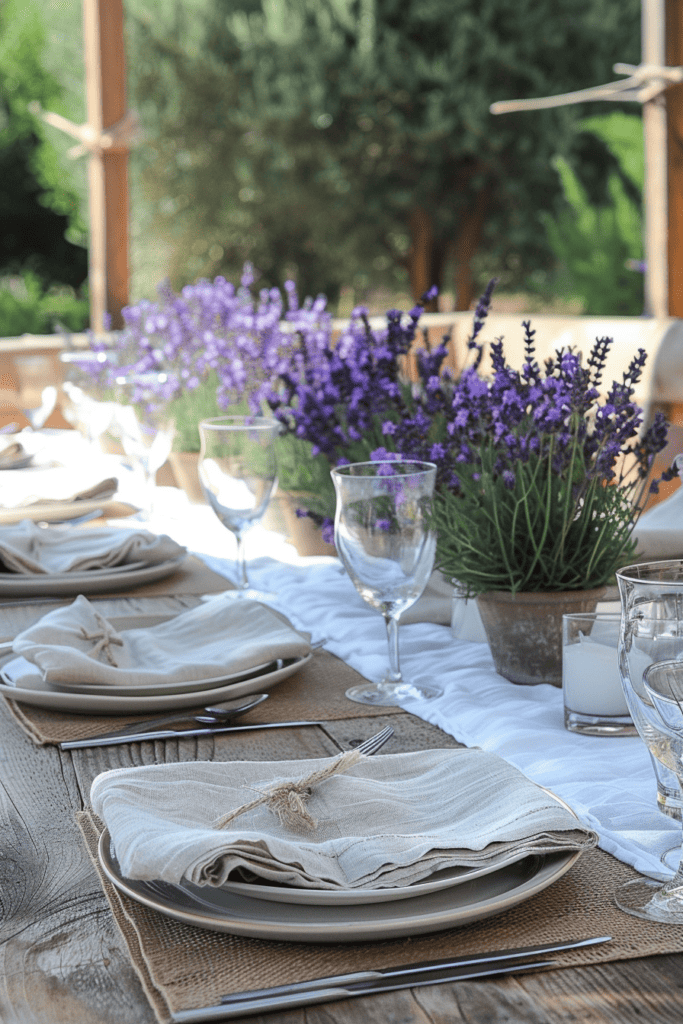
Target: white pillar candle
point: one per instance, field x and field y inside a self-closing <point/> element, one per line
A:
<point x="591" y="679"/>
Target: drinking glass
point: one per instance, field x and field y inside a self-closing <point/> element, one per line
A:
<point x="86" y="381"/>
<point x="651" y="634"/>
<point x="238" y="474"/>
<point x="145" y="425"/>
<point x="384" y="537"/>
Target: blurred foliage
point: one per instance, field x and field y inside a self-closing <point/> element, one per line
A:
<point x="301" y="134"/>
<point x="26" y="307"/>
<point x="598" y="236"/>
<point x="42" y="229"/>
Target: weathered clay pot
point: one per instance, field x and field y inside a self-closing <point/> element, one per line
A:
<point x="524" y="630"/>
<point x="304" y="535"/>
<point x="185" y="470"/>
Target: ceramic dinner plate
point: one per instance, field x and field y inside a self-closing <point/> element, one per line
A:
<point x="219" y="910"/>
<point x="445" y="879"/>
<point x="94" y="581"/>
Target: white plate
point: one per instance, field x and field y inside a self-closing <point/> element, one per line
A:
<point x="445" y="879"/>
<point x="94" y="703"/>
<point x="222" y="911"/>
<point x="121" y="623"/>
<point x="96" y="581"/>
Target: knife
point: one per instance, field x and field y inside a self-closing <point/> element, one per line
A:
<point x="168" y="734"/>
<point x="371" y="982"/>
<point x="363" y="978"/>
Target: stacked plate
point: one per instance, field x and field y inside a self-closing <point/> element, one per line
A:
<point x="449" y="899"/>
<point x="92" y="581"/>
<point x="91" y="698"/>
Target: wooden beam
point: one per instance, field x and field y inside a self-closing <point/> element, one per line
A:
<point x="105" y="68"/>
<point x="674" y="108"/>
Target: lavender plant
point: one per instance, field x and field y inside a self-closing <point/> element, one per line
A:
<point x="541" y="478"/>
<point x="346" y="396"/>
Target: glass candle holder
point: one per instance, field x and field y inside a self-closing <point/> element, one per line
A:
<point x="594" y="701"/>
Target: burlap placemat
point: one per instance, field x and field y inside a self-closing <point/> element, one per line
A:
<point x="182" y="967"/>
<point x="314" y="693"/>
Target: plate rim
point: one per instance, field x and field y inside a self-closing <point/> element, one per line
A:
<point x="550" y="868"/>
<point x="72" y="584"/>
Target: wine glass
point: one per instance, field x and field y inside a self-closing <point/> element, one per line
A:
<point x="384" y="536"/>
<point x="146" y="425"/>
<point x="86" y="380"/>
<point x="651" y="634"/>
<point x="238" y="474"/>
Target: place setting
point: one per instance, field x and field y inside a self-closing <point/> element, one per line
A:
<point x="61" y="561"/>
<point x="74" y="659"/>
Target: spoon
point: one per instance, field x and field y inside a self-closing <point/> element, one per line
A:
<point x="212" y="715"/>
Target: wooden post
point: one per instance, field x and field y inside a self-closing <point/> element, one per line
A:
<point x="107" y="167"/>
<point x="674" y="109"/>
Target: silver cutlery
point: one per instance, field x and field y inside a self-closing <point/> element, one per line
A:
<point x="217" y="714"/>
<point x="170" y="734"/>
<point x="345" y="986"/>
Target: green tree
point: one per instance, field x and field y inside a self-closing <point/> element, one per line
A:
<point x="326" y="135"/>
<point x="598" y="236"/>
<point x="43" y="231"/>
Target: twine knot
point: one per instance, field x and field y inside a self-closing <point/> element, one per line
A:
<point x="288" y="799"/>
<point x="104" y="639"/>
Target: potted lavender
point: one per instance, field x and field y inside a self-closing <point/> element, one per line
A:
<point x="542" y="477"/>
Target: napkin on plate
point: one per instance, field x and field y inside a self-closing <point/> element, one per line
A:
<point x="12" y="453"/>
<point x="390" y="820"/>
<point x="28" y="548"/>
<point x="76" y="645"/>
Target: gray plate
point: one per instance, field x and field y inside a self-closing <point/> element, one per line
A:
<point x="222" y="911"/>
<point x="97" y="581"/>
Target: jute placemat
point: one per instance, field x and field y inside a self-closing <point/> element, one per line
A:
<point x="315" y="693"/>
<point x="182" y="967"/>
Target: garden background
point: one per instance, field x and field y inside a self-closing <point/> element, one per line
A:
<point x="345" y="143"/>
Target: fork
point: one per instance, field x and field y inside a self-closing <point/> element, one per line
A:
<point x="373" y="744"/>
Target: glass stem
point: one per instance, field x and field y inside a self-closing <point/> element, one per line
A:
<point x="392" y="636"/>
<point x="242" y="581"/>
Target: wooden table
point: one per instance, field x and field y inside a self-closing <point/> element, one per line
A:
<point x="64" y="961"/>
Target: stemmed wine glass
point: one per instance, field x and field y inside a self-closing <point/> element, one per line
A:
<point x="651" y="637"/>
<point x="384" y="536"/>
<point x="86" y="381"/>
<point x="238" y="473"/>
<point x="146" y="425"/>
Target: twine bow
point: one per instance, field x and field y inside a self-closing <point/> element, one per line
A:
<point x="288" y="799"/>
<point x="104" y="639"/>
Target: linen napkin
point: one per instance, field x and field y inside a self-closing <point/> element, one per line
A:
<point x="11" y="454"/>
<point x="388" y="821"/>
<point x="659" y="531"/>
<point x="28" y="548"/>
<point x="76" y="645"/>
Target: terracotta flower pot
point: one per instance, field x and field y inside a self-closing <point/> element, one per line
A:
<point x="524" y="630"/>
<point x="184" y="465"/>
<point x="304" y="535"/>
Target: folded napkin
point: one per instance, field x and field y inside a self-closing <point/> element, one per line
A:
<point x="28" y="548"/>
<point x="388" y="821"/>
<point x="659" y="531"/>
<point x="76" y="645"/>
<point x="11" y="453"/>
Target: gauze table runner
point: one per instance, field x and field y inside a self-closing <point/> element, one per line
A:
<point x="609" y="782"/>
